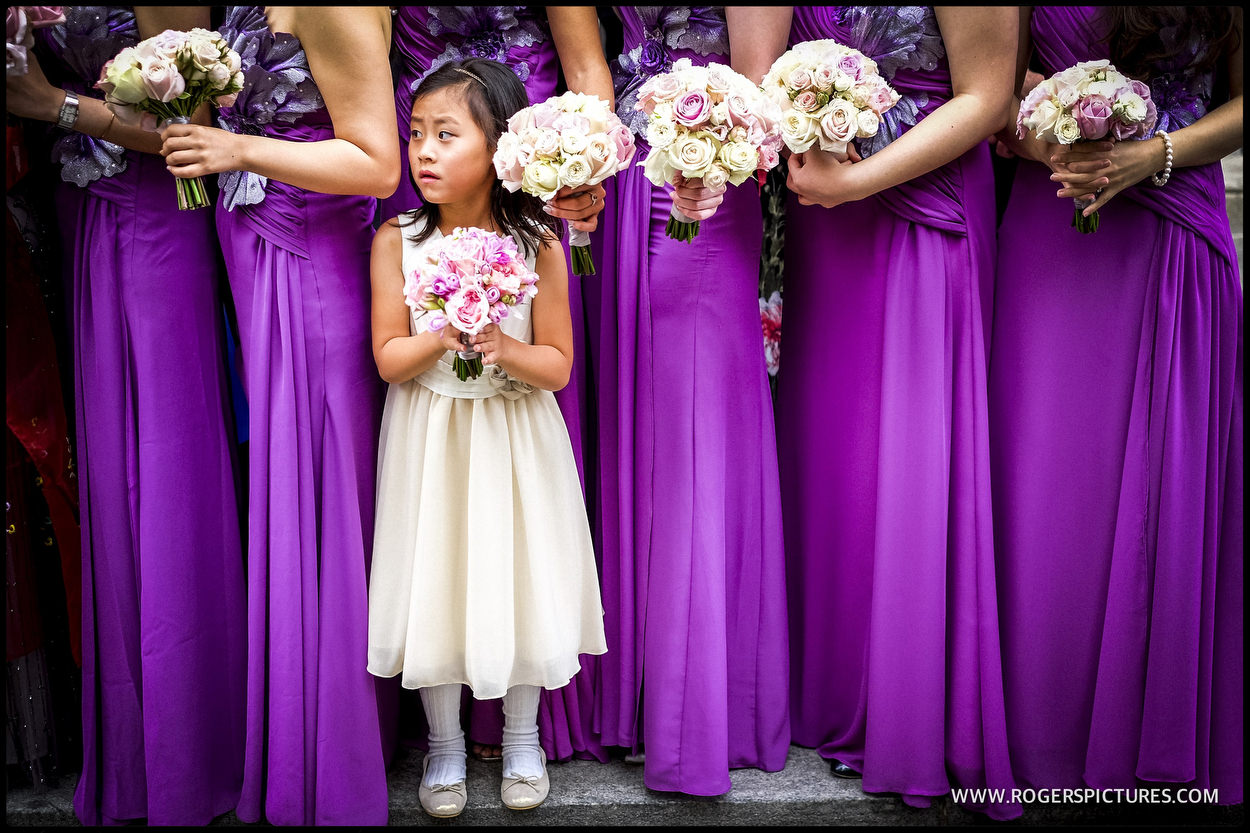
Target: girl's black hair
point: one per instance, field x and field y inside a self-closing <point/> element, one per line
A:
<point x="1147" y="40"/>
<point x="492" y="100"/>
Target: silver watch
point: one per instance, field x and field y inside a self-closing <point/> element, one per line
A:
<point x="68" y="116"/>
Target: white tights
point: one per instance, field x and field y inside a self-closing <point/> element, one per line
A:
<point x="446" y="759"/>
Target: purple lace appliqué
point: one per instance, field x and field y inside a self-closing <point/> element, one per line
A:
<point x="484" y="32"/>
<point x="1180" y="95"/>
<point x="277" y="88"/>
<point x="896" y="37"/>
<point x="700" y="29"/>
<point x="90" y="37"/>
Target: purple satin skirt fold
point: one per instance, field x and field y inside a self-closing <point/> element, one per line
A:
<point x="884" y="457"/>
<point x="1116" y="420"/>
<point x="163" y="590"/>
<point x="688" y="518"/>
<point x="314" y="751"/>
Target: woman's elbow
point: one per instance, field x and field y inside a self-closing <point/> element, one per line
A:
<point x="385" y="182"/>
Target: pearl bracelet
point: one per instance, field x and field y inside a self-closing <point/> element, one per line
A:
<point x="1161" y="179"/>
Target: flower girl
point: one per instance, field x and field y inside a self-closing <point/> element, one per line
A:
<point x="483" y="570"/>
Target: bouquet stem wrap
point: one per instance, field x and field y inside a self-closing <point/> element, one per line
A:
<point x="579" y="249"/>
<point x="680" y="227"/>
<point x="468" y="363"/>
<point x="192" y="193"/>
<point x="1083" y="224"/>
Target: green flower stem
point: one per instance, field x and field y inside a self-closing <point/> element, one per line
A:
<point x="683" y="231"/>
<point x="1083" y="224"/>
<point x="583" y="263"/>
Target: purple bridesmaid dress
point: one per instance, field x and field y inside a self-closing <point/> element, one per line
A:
<point x="299" y="270"/>
<point x="1116" y="428"/>
<point x="163" y="643"/>
<point x="884" y="451"/>
<point x="689" y="524"/>
<point x="425" y="38"/>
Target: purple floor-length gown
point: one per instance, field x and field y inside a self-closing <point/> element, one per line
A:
<point x="693" y="575"/>
<point x="163" y="591"/>
<point x="884" y="451"/>
<point x="425" y="38"/>
<point x="1116" y="428"/>
<point x="299" y="270"/>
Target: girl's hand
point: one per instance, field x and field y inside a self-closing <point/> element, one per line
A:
<point x="192" y="150"/>
<point x="694" y="199"/>
<point x="31" y="96"/>
<point x="1101" y="170"/>
<point x="493" y="344"/>
<point x="820" y="178"/>
<point x="449" y="336"/>
<point x="581" y="206"/>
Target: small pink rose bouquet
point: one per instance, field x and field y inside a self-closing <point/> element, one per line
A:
<point x="1087" y="102"/>
<point x="829" y="94"/>
<point x="568" y="140"/>
<point x="468" y="279"/>
<point x="20" y="23"/>
<point x="164" y="80"/>
<point x="706" y="123"/>
<point x="770" y="319"/>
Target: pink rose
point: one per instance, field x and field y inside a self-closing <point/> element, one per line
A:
<point x="623" y="140"/>
<point x="468" y="310"/>
<point x="39" y="16"/>
<point x="692" y="108"/>
<point x="805" y="102"/>
<point x="800" y="79"/>
<point x="882" y="98"/>
<point x="1093" y="114"/>
<point x="1122" y="131"/>
<point x="852" y="64"/>
<point x="162" y="80"/>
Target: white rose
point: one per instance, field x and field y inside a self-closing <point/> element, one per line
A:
<point x="1106" y="89"/>
<point x="839" y="124"/>
<point x="720" y="113"/>
<point x="661" y="133"/>
<point x="869" y="124"/>
<point x="1132" y="107"/>
<point x="692" y="154"/>
<point x="541" y="179"/>
<point x="842" y="82"/>
<point x="798" y="131"/>
<point x="575" y="171"/>
<point x="547" y="144"/>
<point x="823" y="78"/>
<point x="716" y="177"/>
<point x="1067" y="130"/>
<point x="507" y="161"/>
<point x="1042" y="120"/>
<point x="738" y="157"/>
<point x="219" y="76"/>
<point x="656" y="168"/>
<point x="601" y="154"/>
<point x="572" y="144"/>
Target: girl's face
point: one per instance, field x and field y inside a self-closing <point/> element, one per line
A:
<point x="447" y="151"/>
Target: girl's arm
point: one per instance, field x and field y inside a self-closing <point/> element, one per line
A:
<point x="548" y="361"/>
<point x="981" y="47"/>
<point x="399" y="355"/>
<point x="1111" y="167"/>
<point x="347" y="49"/>
<point x="32" y="96"/>
<point x="575" y="33"/>
<point x="758" y="35"/>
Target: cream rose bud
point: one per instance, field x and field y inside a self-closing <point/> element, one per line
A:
<point x="127" y="79"/>
<point x="869" y="123"/>
<point x="692" y="154"/>
<point x="717" y="81"/>
<point x="798" y="130"/>
<point x="842" y="82"/>
<point x="602" y="157"/>
<point x="738" y="157"/>
<point x="661" y="133"/>
<point x="720" y="113"/>
<point x="1106" y="89"/>
<point x="663" y="110"/>
<point x="541" y="179"/>
<point x="716" y="177"/>
<point x="572" y="144"/>
<point x="1042" y="121"/>
<point x="204" y="52"/>
<point x="823" y="78"/>
<point x="1067" y="130"/>
<point x="219" y="76"/>
<point x="806" y="101"/>
<point x="1132" y="106"/>
<point x="656" y="167"/>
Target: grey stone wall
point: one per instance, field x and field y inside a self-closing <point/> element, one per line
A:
<point x="1232" y="191"/>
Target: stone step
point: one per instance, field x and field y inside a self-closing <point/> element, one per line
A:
<point x="588" y="793"/>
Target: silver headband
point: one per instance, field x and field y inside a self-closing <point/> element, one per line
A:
<point x="471" y="75"/>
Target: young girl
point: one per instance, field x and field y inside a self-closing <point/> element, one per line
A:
<point x="483" y="569"/>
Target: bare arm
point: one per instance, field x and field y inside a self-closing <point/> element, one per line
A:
<point x="575" y="33"/>
<point x="547" y="362"/>
<point x="758" y="35"/>
<point x="32" y="96"/>
<point x="399" y="355"/>
<point x="363" y="155"/>
<point x="981" y="43"/>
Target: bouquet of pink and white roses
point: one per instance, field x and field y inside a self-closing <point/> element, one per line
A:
<point x="708" y="123"/>
<point x="829" y="94"/>
<point x="566" y="141"/>
<point x="164" y="80"/>
<point x="1086" y="103"/>
<point x="20" y="23"/>
<point x="468" y="279"/>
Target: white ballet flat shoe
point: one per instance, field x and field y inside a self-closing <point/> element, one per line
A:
<point x="525" y="792"/>
<point x="442" y="801"/>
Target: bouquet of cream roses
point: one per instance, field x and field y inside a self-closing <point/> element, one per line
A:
<point x="568" y="140"/>
<point x="709" y="123"/>
<point x="1085" y="103"/>
<point x="829" y="94"/>
<point x="470" y="278"/>
<point x="164" y="80"/>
